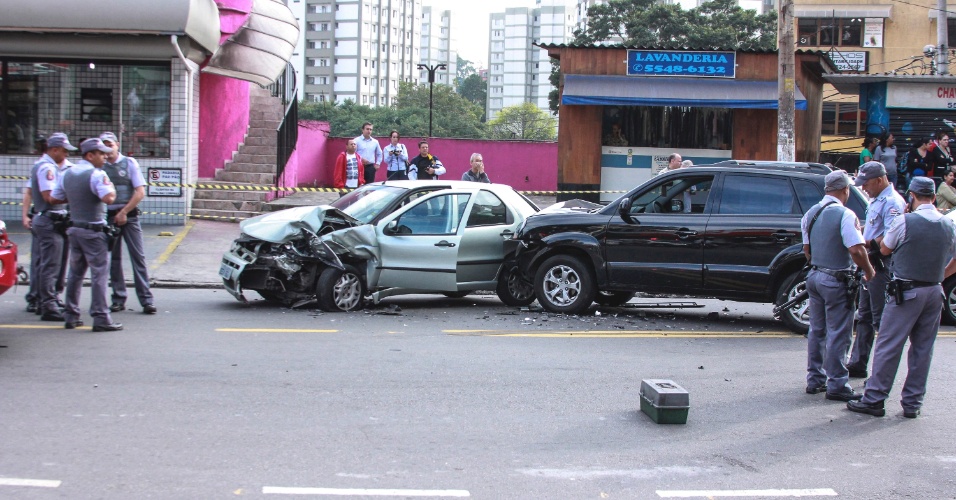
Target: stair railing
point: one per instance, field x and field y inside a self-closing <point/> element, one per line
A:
<point x="288" y="131"/>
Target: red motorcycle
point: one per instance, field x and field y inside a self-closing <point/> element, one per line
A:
<point x="9" y="272"/>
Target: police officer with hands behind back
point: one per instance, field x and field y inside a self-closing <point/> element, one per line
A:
<point x="832" y="243"/>
<point x="88" y="190"/>
<point x="127" y="179"/>
<point x="886" y="205"/>
<point x="923" y="248"/>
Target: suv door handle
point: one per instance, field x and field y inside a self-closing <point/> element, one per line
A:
<point x="783" y="235"/>
<point x="444" y="243"/>
<point x="507" y="233"/>
<point x="685" y="233"/>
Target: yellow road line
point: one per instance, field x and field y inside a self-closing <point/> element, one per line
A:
<point x="48" y="326"/>
<point x="173" y="245"/>
<point x="273" y="330"/>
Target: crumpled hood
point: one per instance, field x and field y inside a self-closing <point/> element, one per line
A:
<point x="575" y="205"/>
<point x="286" y="225"/>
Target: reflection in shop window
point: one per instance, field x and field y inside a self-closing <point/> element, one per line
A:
<point x="668" y="127"/>
<point x="84" y="100"/>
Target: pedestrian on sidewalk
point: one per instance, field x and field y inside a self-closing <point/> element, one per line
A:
<point x="477" y="171"/>
<point x="425" y="166"/>
<point x="127" y="178"/>
<point x="370" y="151"/>
<point x="396" y="159"/>
<point x="347" y="174"/>
<point x="88" y="190"/>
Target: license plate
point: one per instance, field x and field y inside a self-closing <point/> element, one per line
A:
<point x="225" y="271"/>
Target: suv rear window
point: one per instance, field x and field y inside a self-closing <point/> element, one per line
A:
<point x="757" y="195"/>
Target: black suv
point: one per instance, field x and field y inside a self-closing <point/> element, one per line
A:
<point x="729" y="231"/>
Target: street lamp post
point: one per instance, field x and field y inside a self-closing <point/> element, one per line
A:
<point x="431" y="82"/>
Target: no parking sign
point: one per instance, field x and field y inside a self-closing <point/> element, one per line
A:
<point x="164" y="175"/>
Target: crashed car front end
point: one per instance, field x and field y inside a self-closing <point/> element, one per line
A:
<point x="279" y="255"/>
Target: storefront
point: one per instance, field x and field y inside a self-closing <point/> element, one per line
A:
<point x="624" y="110"/>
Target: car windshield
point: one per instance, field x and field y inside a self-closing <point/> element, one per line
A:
<point x="365" y="203"/>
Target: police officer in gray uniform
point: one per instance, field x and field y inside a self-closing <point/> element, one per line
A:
<point x="87" y="188"/>
<point x="886" y="205"/>
<point x="49" y="225"/>
<point x="127" y="178"/>
<point x="832" y="243"/>
<point x="923" y="247"/>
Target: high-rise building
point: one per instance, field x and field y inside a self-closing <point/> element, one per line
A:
<point x="438" y="45"/>
<point x="518" y="71"/>
<point x="360" y="49"/>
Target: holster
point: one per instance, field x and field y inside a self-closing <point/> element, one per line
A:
<point x="61" y="222"/>
<point x="875" y="257"/>
<point x="112" y="234"/>
<point x="895" y="289"/>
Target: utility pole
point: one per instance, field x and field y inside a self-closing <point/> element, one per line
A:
<point x="942" y="37"/>
<point x="431" y="82"/>
<point x="785" y="82"/>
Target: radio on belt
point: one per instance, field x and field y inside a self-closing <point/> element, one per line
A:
<point x="664" y="401"/>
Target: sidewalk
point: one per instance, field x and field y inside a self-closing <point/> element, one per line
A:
<point x="188" y="256"/>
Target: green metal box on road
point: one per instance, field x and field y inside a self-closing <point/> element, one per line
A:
<point x="664" y="401"/>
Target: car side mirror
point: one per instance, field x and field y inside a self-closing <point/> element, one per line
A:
<point x="624" y="209"/>
<point x="391" y="228"/>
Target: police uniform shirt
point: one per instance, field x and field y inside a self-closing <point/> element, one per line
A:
<point x="883" y="210"/>
<point x="99" y="182"/>
<point x="135" y="175"/>
<point x="49" y="175"/>
<point x="897" y="231"/>
<point x="849" y="224"/>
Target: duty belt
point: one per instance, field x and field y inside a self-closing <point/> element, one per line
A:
<point x="909" y="285"/>
<point x="98" y="226"/>
<point x="54" y="216"/>
<point x="840" y="275"/>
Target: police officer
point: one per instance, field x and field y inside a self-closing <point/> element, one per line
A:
<point x="87" y="188"/>
<point x="923" y="246"/>
<point x="832" y="243"/>
<point x="49" y="226"/>
<point x="127" y="179"/>
<point x="886" y="205"/>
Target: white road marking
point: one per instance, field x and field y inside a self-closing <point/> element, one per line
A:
<point x="279" y="490"/>
<point x="820" y="492"/>
<point x="36" y="483"/>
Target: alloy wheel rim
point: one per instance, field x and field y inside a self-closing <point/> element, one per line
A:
<point x="347" y="292"/>
<point x="562" y="285"/>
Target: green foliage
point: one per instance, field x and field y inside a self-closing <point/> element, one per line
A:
<point x="524" y="122"/>
<point x="453" y="115"/>
<point x="719" y="24"/>
<point x="465" y="69"/>
<point x="474" y="90"/>
<point x="555" y="78"/>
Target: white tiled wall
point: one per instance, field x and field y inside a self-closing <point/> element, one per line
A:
<point x="185" y="129"/>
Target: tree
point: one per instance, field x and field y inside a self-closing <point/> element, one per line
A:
<point x="718" y="24"/>
<point x="523" y="121"/>
<point x="465" y="69"/>
<point x="475" y="90"/>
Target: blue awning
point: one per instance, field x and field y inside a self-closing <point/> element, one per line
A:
<point x="601" y="90"/>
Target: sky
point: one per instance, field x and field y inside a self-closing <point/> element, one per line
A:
<point x="470" y="22"/>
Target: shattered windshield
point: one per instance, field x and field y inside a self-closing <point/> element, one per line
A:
<point x="364" y="204"/>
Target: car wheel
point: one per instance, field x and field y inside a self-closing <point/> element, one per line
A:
<point x="513" y="291"/>
<point x="797" y="318"/>
<point x="613" y="299"/>
<point x="455" y="295"/>
<point x="340" y="290"/>
<point x="949" y="301"/>
<point x="563" y="284"/>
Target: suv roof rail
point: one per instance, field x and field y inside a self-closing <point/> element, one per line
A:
<point x="816" y="168"/>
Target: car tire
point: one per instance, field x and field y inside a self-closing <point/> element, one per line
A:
<point x="613" y="299"/>
<point x="797" y="318"/>
<point x="455" y="295"/>
<point x="512" y="291"/>
<point x="949" y="301"/>
<point x="340" y="290"/>
<point x="563" y="284"/>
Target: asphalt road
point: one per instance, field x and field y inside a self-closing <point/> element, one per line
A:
<point x="444" y="398"/>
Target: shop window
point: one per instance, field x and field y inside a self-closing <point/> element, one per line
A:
<point x="830" y="32"/>
<point x="84" y="100"/>
<point x="842" y="118"/>
<point x="650" y="126"/>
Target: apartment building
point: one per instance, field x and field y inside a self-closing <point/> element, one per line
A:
<point x="518" y="71"/>
<point x="360" y="49"/>
<point x="438" y="45"/>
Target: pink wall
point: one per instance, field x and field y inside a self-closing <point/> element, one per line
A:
<point x="526" y="166"/>
<point x="223" y="102"/>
